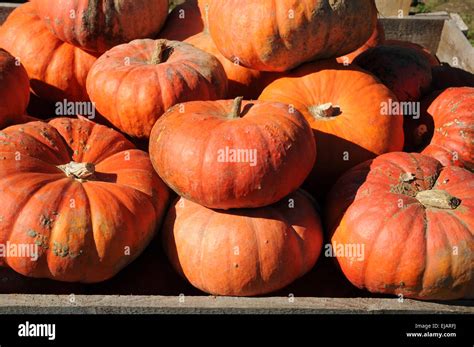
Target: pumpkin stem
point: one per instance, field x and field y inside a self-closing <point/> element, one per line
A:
<point x="438" y="199"/>
<point x="327" y="110"/>
<point x="161" y="53"/>
<point x="236" y="108"/>
<point x="79" y="171"/>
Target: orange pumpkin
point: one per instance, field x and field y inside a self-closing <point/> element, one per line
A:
<point x="243" y="252"/>
<point x="344" y="106"/>
<point x="100" y="25"/>
<point x="57" y="70"/>
<point x="14" y="89"/>
<point x="412" y="221"/>
<point x="81" y="194"/>
<point x="224" y="154"/>
<point x="133" y="84"/>
<point x="184" y="21"/>
<point x="272" y="35"/>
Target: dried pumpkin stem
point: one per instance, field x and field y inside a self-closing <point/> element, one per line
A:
<point x="157" y="56"/>
<point x="327" y="110"/>
<point x="236" y="108"/>
<point x="79" y="171"/>
<point x="438" y="199"/>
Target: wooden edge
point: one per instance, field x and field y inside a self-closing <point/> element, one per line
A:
<point x="454" y="48"/>
<point x="111" y="304"/>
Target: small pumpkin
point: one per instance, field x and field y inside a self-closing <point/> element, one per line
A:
<point x="413" y="219"/>
<point x="57" y="70"/>
<point x="133" y="84"/>
<point x="405" y="70"/>
<point x="344" y="106"/>
<point x="377" y="38"/>
<point x="271" y="35"/>
<point x="81" y="193"/>
<point x="14" y="89"/>
<point x="453" y="138"/>
<point x="425" y="51"/>
<point x="446" y="76"/>
<point x="243" y="252"/>
<point x="183" y="22"/>
<point x="100" y="25"/>
<point x="232" y="154"/>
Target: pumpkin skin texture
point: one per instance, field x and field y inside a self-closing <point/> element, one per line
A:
<point x="133" y="84"/>
<point x="14" y="89"/>
<point x="183" y="22"/>
<point x="275" y="245"/>
<point x="202" y="165"/>
<point x="406" y="71"/>
<point x="377" y="38"/>
<point x="57" y="70"/>
<point x="408" y="212"/>
<point x="100" y="25"/>
<point x="426" y="52"/>
<point x="270" y="35"/>
<point x="445" y="76"/>
<point x="81" y="217"/>
<point x="453" y="138"/>
<point x="341" y="133"/>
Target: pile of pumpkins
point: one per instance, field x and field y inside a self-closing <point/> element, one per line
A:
<point x="278" y="124"/>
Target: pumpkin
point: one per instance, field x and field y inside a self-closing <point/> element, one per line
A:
<point x="406" y="71"/>
<point x="14" y="89"/>
<point x="183" y="22"/>
<point x="243" y="252"/>
<point x="446" y="76"/>
<point x="425" y="51"/>
<point x="232" y="154"/>
<point x="133" y="84"/>
<point x="271" y="35"/>
<point x="377" y="38"/>
<point x="81" y="193"/>
<point x="57" y="70"/>
<point x="413" y="220"/>
<point x="100" y="25"/>
<point x="344" y="106"/>
<point x="453" y="138"/>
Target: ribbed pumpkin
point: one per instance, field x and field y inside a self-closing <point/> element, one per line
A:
<point x="184" y="21"/>
<point x="81" y="193"/>
<point x="243" y="252"/>
<point x="57" y="70"/>
<point x="100" y="25"/>
<point x="445" y="76"/>
<point x="14" y="89"/>
<point x="425" y="51"/>
<point x="229" y="154"/>
<point x="377" y="38"/>
<point x="405" y="70"/>
<point x="453" y="138"/>
<point x="133" y="84"/>
<point x="344" y="107"/>
<point x="413" y="219"/>
<point x="272" y="35"/>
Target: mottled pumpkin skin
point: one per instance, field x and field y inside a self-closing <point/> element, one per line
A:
<point x="14" y="89"/>
<point x="100" y="25"/>
<point x="132" y="91"/>
<point x="410" y="249"/>
<point x="82" y="228"/>
<point x="57" y="70"/>
<point x="272" y="35"/>
<point x="186" y="151"/>
<point x="357" y="133"/>
<point x="377" y="38"/>
<point x="183" y="22"/>
<point x="243" y="252"/>
<point x="445" y="76"/>
<point x="453" y="138"/>
<point x="433" y="60"/>
<point x="405" y="70"/>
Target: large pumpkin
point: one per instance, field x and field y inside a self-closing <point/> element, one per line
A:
<point x="57" y="70"/>
<point x="377" y="38"/>
<point x="225" y="154"/>
<point x="413" y="221"/>
<point x="184" y="21"/>
<point x="345" y="107"/>
<point x="272" y="35"/>
<point x="405" y="70"/>
<point x="100" y="25"/>
<point x="453" y="138"/>
<point x="81" y="193"/>
<point x="133" y="84"/>
<point x="243" y="252"/>
<point x="14" y="89"/>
